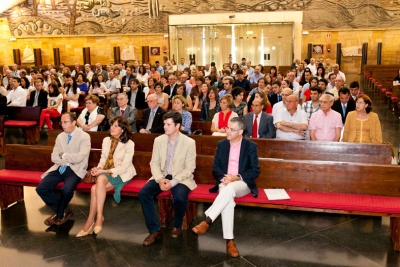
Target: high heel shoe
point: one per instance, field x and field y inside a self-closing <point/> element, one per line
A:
<point x="83" y="233"/>
<point x="97" y="229"/>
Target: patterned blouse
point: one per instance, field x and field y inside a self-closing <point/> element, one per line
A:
<point x="239" y="109"/>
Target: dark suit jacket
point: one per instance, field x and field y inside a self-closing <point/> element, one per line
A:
<point x="337" y="106"/>
<point x="158" y="122"/>
<point x="3" y="105"/>
<point x="140" y="102"/>
<point x="265" y="128"/>
<point x="249" y="168"/>
<point x="167" y="90"/>
<point x="273" y="99"/>
<point x="129" y="114"/>
<point x="129" y="78"/>
<point x="42" y="100"/>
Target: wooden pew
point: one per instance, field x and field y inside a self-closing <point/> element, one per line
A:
<point x="26" y="118"/>
<point x="204" y="126"/>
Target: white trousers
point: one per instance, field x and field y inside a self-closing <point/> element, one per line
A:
<point x="225" y="204"/>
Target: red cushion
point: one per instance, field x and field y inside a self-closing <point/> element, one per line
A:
<point x="380" y="86"/>
<point x="335" y="201"/>
<point x="77" y="109"/>
<point x="395" y="98"/>
<point x="371" y="79"/>
<point x="19" y="124"/>
<point x="388" y="93"/>
<point x="383" y="90"/>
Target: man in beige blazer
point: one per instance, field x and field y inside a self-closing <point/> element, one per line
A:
<point x="172" y="166"/>
<point x="70" y="157"/>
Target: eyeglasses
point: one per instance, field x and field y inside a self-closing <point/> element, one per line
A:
<point x="64" y="122"/>
<point x="285" y="94"/>
<point x="231" y="129"/>
<point x="255" y="105"/>
<point x="291" y="101"/>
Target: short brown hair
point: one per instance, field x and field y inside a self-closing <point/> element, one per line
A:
<point x="94" y="99"/>
<point x="367" y="100"/>
<point x="228" y="98"/>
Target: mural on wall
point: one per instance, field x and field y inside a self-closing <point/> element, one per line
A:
<point x="82" y="17"/>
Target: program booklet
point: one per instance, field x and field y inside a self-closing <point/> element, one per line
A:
<point x="276" y="194"/>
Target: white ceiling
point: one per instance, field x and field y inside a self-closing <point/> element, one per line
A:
<point x="7" y="4"/>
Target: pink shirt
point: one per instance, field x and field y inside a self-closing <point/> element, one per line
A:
<point x="234" y="154"/>
<point x="325" y="124"/>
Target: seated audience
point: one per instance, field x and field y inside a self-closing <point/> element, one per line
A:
<point x="113" y="88"/>
<point x="312" y="105"/>
<point x="291" y="122"/>
<point x="181" y="90"/>
<point x="325" y="124"/>
<point x="201" y="97"/>
<point x="149" y="89"/>
<point x="142" y="75"/>
<point x="38" y="97"/>
<point x="161" y="96"/>
<point x="152" y="121"/>
<point x="240" y="81"/>
<point x="363" y="125"/>
<point x="92" y="116"/>
<point x="98" y="89"/>
<point x="239" y="106"/>
<point x="128" y="76"/>
<point x="210" y="106"/>
<point x="256" y="75"/>
<point x="344" y="104"/>
<point x="16" y="96"/>
<point x="355" y="90"/>
<point x="124" y="110"/>
<point x="258" y="123"/>
<point x="71" y="93"/>
<point x="178" y="104"/>
<point x="136" y="98"/>
<point x="277" y="93"/>
<point x="221" y="119"/>
<point x="81" y="82"/>
<point x="114" y="170"/>
<point x="54" y="106"/>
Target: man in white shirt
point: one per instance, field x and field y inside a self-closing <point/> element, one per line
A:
<point x="337" y="72"/>
<point x="88" y="72"/>
<point x="184" y="80"/>
<point x="16" y="97"/>
<point x="296" y="86"/>
<point x="183" y="65"/>
<point x="15" y="71"/>
<point x="114" y="87"/>
<point x="312" y="66"/>
<point x="291" y="122"/>
<point x="250" y="70"/>
<point x="207" y="70"/>
<point x="339" y="83"/>
<point x="7" y="78"/>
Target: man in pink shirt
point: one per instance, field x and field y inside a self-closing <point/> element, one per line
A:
<point x="325" y="124"/>
<point x="235" y="169"/>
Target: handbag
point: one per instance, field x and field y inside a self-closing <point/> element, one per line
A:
<point x="89" y="178"/>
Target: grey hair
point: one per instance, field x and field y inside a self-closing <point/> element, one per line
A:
<point x="240" y="122"/>
<point x="124" y="95"/>
<point x="331" y="98"/>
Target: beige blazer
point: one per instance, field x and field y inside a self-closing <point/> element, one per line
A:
<point x="183" y="164"/>
<point x="349" y="134"/>
<point x="76" y="152"/>
<point x="123" y="155"/>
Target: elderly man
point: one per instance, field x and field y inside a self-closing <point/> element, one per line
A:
<point x="344" y="104"/>
<point x="70" y="157"/>
<point x="170" y="89"/>
<point x="113" y="87"/>
<point x="296" y="86"/>
<point x="15" y="71"/>
<point x="16" y="96"/>
<point x="7" y="78"/>
<point x="125" y="111"/>
<point x="337" y="72"/>
<point x="280" y="105"/>
<point x="258" y="123"/>
<point x="256" y="75"/>
<point x="152" y="121"/>
<point x="325" y="124"/>
<point x="312" y="66"/>
<point x="172" y="165"/>
<point x="235" y="169"/>
<point x="99" y="70"/>
<point x="183" y="65"/>
<point x="38" y="97"/>
<point x="88" y="72"/>
<point x="339" y="83"/>
<point x="250" y="69"/>
<point x="184" y="80"/>
<point x="207" y="70"/>
<point x="291" y="122"/>
<point x="313" y="105"/>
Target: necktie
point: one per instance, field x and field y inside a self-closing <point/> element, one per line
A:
<point x="150" y="123"/>
<point x="344" y="110"/>
<point x="62" y="168"/>
<point x="255" y="128"/>
<point x="279" y="98"/>
<point x="35" y="103"/>
<point x="122" y="112"/>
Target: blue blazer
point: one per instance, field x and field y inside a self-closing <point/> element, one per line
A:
<point x="249" y="168"/>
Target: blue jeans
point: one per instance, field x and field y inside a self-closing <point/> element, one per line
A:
<point x="46" y="189"/>
<point x="147" y="194"/>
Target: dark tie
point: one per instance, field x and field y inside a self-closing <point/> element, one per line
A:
<point x="62" y="168"/>
<point x="255" y="128"/>
<point x="279" y="98"/>
<point x="344" y="110"/>
<point x="122" y="112"/>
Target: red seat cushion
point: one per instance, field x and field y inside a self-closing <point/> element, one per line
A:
<point x="19" y="124"/>
<point x="383" y="90"/>
<point x="80" y="108"/>
<point x="395" y="98"/>
<point x="380" y="86"/>
<point x="388" y="93"/>
<point x="335" y="201"/>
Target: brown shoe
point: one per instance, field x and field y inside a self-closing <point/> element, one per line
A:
<point x="176" y="232"/>
<point x="51" y="220"/>
<point x="67" y="213"/>
<point x="151" y="238"/>
<point x="201" y="228"/>
<point x="231" y="248"/>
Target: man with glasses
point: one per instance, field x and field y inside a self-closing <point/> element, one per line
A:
<point x="170" y="89"/>
<point x="125" y="111"/>
<point x="325" y="124"/>
<point x="258" y="123"/>
<point x="291" y="122"/>
<point x="235" y="169"/>
<point x="70" y="157"/>
<point x="152" y="121"/>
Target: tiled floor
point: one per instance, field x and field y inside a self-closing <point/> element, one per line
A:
<point x="264" y="237"/>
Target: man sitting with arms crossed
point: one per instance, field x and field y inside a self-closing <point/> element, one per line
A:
<point x="235" y="169"/>
<point x="172" y="165"/>
<point x="325" y="124"/>
<point x="70" y="157"/>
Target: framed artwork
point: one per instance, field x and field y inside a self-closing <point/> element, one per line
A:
<point x="155" y="51"/>
<point x="318" y="49"/>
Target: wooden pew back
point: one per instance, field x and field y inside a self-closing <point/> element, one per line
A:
<point x="23" y="114"/>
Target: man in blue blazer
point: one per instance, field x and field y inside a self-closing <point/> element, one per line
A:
<point x="265" y="122"/>
<point x="235" y="169"/>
